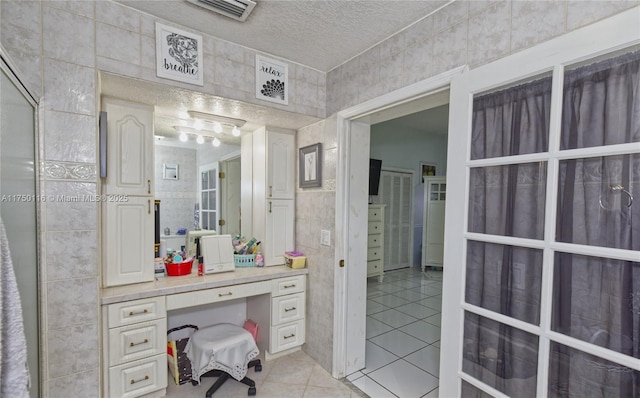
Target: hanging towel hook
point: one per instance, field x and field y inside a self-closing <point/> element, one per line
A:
<point x="615" y="189"/>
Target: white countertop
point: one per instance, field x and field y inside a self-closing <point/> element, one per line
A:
<point x="180" y="284"/>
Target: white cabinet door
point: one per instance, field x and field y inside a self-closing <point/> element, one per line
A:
<point x="129" y="148"/>
<point x="433" y="220"/>
<point x="279" y="231"/>
<point x="128" y="241"/>
<point x="281" y="165"/>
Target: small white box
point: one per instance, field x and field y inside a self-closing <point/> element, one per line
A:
<point x="217" y="253"/>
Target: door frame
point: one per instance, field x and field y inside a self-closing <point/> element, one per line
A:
<point x="353" y="138"/>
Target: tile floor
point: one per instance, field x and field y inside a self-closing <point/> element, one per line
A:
<point x="402" y="350"/>
<point x="293" y="376"/>
<point x="403" y="335"/>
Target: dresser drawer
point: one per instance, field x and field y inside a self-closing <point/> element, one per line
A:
<point x="374" y="267"/>
<point x="375" y="227"/>
<point x="375" y="215"/>
<point x="287" y="308"/>
<point x="294" y="284"/>
<point x="128" y="343"/>
<point x="287" y="336"/>
<point x="374" y="240"/>
<point x="374" y="253"/>
<point x="137" y="378"/>
<point x="130" y="312"/>
<point x="216" y="295"/>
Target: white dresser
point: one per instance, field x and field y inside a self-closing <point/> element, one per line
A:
<point x="375" y="242"/>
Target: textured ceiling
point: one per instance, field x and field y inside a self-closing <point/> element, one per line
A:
<point x="318" y="34"/>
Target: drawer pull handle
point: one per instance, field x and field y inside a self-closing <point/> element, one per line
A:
<point x="288" y="286"/>
<point x="146" y="377"/>
<point x="148" y="186"/>
<point x="132" y="344"/>
<point x="225" y="294"/>
<point x="131" y="313"/>
<point x="289" y="309"/>
<point x="290" y="336"/>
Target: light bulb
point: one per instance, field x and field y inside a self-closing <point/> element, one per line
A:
<point x="200" y="139"/>
<point x="215" y="142"/>
<point x="235" y="131"/>
<point x="183" y="137"/>
<point x="217" y="127"/>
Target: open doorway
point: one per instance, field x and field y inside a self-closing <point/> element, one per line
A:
<point x="354" y="134"/>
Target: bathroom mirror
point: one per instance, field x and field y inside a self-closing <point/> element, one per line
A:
<point x="170" y="171"/>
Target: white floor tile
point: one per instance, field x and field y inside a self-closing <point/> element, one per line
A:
<point x="422" y="330"/>
<point x="355" y="376"/>
<point x="404" y="379"/>
<point x="373" y="307"/>
<point x="376" y="357"/>
<point x="436" y="344"/>
<point x="432" y="302"/>
<point x="427" y="290"/>
<point x="399" y="343"/>
<point x="427" y="359"/>
<point x="394" y="318"/>
<point x="389" y="287"/>
<point x="372" y="389"/>
<point x="407" y="283"/>
<point x="416" y="310"/>
<point x="374" y="293"/>
<point x="375" y="327"/>
<point x="390" y="300"/>
<point x="410" y="294"/>
<point x="433" y="394"/>
<point x="434" y="320"/>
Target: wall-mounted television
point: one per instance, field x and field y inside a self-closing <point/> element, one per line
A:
<point x="375" y="167"/>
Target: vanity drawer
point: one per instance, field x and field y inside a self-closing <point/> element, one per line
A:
<point x="283" y="286"/>
<point x="137" y="378"/>
<point x="128" y="343"/>
<point x="375" y="253"/>
<point x="218" y="294"/>
<point x="287" y="308"/>
<point x="375" y="227"/>
<point x="374" y="267"/>
<point x="374" y="240"/>
<point x="130" y="312"/>
<point x="287" y="336"/>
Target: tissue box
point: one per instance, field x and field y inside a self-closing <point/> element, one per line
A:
<point x="294" y="260"/>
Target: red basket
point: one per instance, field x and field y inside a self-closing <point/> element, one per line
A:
<point x="178" y="269"/>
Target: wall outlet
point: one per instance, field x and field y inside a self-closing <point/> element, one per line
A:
<point x="325" y="237"/>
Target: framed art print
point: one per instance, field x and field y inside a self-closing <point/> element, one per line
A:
<point x="179" y="55"/>
<point x="272" y="80"/>
<point x="310" y="166"/>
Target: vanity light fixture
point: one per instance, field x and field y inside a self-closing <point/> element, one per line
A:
<point x="215" y="142"/>
<point x="217" y="127"/>
<point x="183" y="137"/>
<point x="210" y="117"/>
<point x="235" y="131"/>
<point x="200" y="139"/>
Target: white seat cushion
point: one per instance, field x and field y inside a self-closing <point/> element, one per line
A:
<point x="223" y="347"/>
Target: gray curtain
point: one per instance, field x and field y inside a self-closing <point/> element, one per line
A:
<point x="598" y="299"/>
<point x="595" y="299"/>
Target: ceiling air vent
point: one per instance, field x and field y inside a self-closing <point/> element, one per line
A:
<point x="238" y="10"/>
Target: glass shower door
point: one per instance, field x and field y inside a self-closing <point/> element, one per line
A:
<point x="18" y="204"/>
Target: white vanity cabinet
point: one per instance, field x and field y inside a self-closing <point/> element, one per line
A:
<point x="272" y="191"/>
<point x="375" y="242"/>
<point x="135" y="345"/>
<point x="282" y="317"/>
<point x="130" y="168"/>
<point x="127" y="194"/>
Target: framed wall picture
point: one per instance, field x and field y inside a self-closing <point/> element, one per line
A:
<point x="179" y="55"/>
<point x="272" y="80"/>
<point x="310" y="168"/>
<point x="427" y="170"/>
